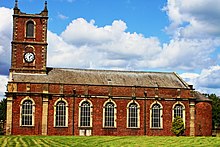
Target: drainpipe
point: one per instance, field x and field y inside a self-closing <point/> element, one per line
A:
<point x="145" y="129"/>
<point x="74" y="95"/>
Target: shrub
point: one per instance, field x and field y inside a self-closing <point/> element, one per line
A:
<point x="178" y="126"/>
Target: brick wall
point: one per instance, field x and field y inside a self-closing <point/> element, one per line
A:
<point x="20" y="43"/>
<point x="203" y="123"/>
<point x="59" y="130"/>
<point x="202" y="109"/>
<point x="19" y="130"/>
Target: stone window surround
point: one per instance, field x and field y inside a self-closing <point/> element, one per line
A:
<point x="184" y="112"/>
<point x="138" y="114"/>
<point x="91" y="111"/>
<point x="161" y="115"/>
<point x="33" y="111"/>
<point x="55" y="108"/>
<point x="115" y="113"/>
<point x="25" y="29"/>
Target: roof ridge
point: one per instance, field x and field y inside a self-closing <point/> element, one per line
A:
<point x="100" y="77"/>
<point x="112" y="70"/>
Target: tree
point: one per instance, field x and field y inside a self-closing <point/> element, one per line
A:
<point x="177" y="126"/>
<point x="215" y="110"/>
<point x="3" y="108"/>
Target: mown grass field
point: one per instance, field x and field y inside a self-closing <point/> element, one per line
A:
<point x="92" y="141"/>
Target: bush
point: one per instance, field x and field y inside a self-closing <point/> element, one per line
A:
<point x="178" y="126"/>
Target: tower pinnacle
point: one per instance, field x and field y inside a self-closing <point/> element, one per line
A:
<point x="16" y="4"/>
<point x="45" y="6"/>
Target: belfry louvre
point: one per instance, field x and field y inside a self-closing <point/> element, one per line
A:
<point x="59" y="101"/>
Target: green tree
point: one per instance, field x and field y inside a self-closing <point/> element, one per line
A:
<point x="215" y="110"/>
<point x="3" y="107"/>
<point x="177" y="126"/>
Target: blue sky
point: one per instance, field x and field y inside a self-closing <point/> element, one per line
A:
<point x="145" y="17"/>
<point x="148" y="35"/>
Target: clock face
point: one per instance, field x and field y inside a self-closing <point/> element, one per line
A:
<point x="29" y="57"/>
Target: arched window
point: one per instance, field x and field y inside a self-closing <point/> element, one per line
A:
<point x="156" y="115"/>
<point x="133" y="116"/>
<point x="27" y="112"/>
<point x="85" y="114"/>
<point x="179" y="110"/>
<point x="30" y="29"/>
<point x="109" y="114"/>
<point x="61" y="113"/>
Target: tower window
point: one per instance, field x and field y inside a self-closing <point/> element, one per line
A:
<point x="30" y="29"/>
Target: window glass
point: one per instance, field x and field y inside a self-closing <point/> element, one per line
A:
<point x="27" y="112"/>
<point x="109" y="115"/>
<point x="133" y="115"/>
<point x="156" y="116"/>
<point x="178" y="110"/>
<point x="85" y="114"/>
<point x="30" y="29"/>
<point x="61" y="113"/>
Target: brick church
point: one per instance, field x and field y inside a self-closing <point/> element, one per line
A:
<point x="57" y="101"/>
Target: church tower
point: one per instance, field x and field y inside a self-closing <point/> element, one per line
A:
<point x="29" y="44"/>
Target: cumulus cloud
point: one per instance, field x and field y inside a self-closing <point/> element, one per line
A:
<point x="208" y="81"/>
<point x="185" y="54"/>
<point x="86" y="45"/>
<point x="5" y="39"/>
<point x="193" y="18"/>
<point x="3" y="84"/>
<point x="83" y="44"/>
<point x="112" y="47"/>
<point x="210" y="77"/>
<point x="80" y="31"/>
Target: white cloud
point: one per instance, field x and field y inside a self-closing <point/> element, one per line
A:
<point x="208" y="81"/>
<point x="3" y="84"/>
<point x="5" y="38"/>
<point x="113" y="47"/>
<point x="193" y="18"/>
<point x="210" y="77"/>
<point x="190" y="77"/>
<point x="80" y="32"/>
<point x="83" y="44"/>
<point x="185" y="54"/>
<point x="63" y="17"/>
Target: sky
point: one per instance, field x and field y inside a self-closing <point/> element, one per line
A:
<point x="139" y="35"/>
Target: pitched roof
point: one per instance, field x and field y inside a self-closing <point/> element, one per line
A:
<point x="200" y="97"/>
<point x="104" y="77"/>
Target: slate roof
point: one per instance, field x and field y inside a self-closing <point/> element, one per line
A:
<point x="200" y="97"/>
<point x="104" y="77"/>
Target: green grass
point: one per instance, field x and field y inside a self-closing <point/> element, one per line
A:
<point x="107" y="141"/>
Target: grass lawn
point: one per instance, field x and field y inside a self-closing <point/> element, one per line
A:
<point x="92" y="141"/>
